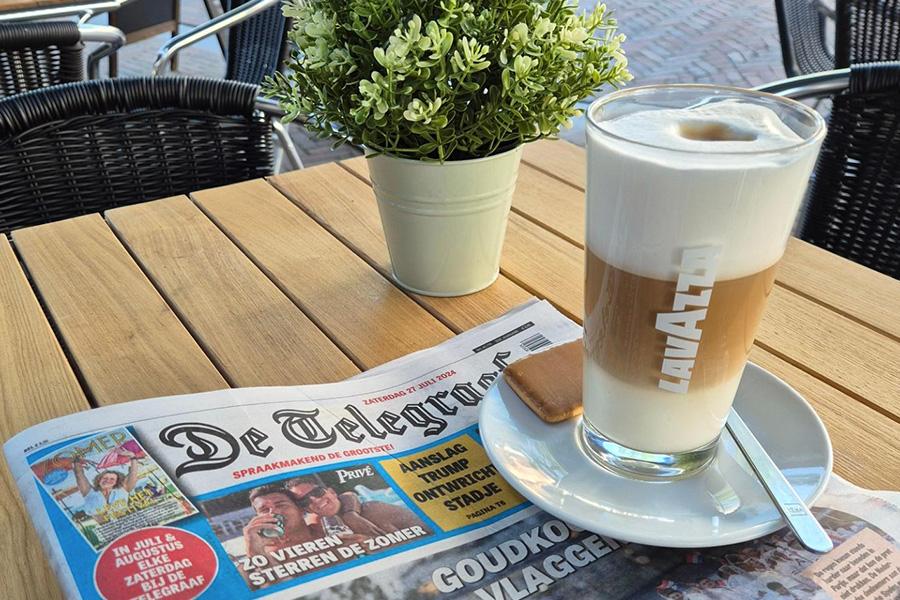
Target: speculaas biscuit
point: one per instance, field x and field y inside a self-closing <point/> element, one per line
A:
<point x="549" y="382"/>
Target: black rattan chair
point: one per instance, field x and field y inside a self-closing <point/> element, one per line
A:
<point x="801" y="28"/>
<point x="86" y="147"/>
<point x="37" y="55"/>
<point x="257" y="32"/>
<point x="853" y="203"/>
<point x="865" y="31"/>
<point x="256" y="39"/>
<point x="255" y="46"/>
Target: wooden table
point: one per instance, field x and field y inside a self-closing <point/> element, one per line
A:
<point x="28" y="10"/>
<point x="285" y="281"/>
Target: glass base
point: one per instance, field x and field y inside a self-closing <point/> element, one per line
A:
<point x="643" y="465"/>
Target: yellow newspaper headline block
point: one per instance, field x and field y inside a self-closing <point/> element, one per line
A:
<point x="454" y="483"/>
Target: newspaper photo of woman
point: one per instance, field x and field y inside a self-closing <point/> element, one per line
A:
<point x="109" y="488"/>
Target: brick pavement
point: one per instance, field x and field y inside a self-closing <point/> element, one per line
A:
<point x="732" y="42"/>
<point x="705" y="41"/>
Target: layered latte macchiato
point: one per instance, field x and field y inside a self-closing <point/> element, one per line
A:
<point x="692" y="194"/>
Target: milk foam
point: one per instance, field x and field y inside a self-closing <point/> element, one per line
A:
<point x="646" y="202"/>
<point x="742" y="127"/>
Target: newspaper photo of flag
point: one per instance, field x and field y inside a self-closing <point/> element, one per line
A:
<point x="116" y="456"/>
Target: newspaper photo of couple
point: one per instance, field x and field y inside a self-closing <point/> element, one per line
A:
<point x="299" y="525"/>
<point x="107" y="485"/>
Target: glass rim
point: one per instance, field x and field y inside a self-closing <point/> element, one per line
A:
<point x="812" y="139"/>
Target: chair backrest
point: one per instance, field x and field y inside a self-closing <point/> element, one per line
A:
<point x="255" y="46"/>
<point x="854" y="198"/>
<point x="866" y="31"/>
<point x="86" y="147"/>
<point x="801" y="29"/>
<point x="37" y="55"/>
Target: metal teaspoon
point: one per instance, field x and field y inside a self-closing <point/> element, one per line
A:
<point x="798" y="517"/>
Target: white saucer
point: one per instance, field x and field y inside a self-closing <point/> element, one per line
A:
<point x="725" y="504"/>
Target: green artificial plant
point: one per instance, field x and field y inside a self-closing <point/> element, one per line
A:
<point x="444" y="79"/>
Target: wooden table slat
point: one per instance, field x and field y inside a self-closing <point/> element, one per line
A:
<point x="126" y="341"/>
<point x="361" y="311"/>
<point x="251" y="330"/>
<point x="856" y="291"/>
<point x="862" y="294"/>
<point x="345" y="205"/>
<point x="837" y="350"/>
<point x="558" y="158"/>
<point x="36" y="381"/>
<point x="550" y="203"/>
<point x="543" y="264"/>
<point x="36" y="384"/>
<point x="24" y="5"/>
<point x="864" y="441"/>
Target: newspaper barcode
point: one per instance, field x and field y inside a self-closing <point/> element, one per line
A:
<point x="535" y="342"/>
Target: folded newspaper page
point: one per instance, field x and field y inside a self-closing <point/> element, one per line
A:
<point x="377" y="487"/>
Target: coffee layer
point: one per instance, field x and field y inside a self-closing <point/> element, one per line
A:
<point x="620" y="324"/>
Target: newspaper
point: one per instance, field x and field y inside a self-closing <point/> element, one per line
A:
<point x="377" y="487"/>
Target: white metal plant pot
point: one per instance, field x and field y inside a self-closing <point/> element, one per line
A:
<point x="445" y="223"/>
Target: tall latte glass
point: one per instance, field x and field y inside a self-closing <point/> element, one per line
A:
<point x="692" y="192"/>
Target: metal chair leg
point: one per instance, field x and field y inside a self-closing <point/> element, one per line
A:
<point x="287" y="144"/>
<point x="279" y="160"/>
<point x="214" y="9"/>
